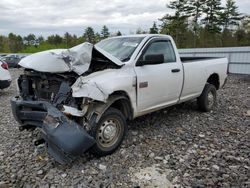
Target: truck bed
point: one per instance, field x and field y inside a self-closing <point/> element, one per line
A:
<point x="194" y="59"/>
<point x="196" y="72"/>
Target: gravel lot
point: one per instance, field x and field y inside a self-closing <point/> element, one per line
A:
<point x="176" y="146"/>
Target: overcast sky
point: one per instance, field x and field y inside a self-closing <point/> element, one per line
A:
<point x="45" y="17"/>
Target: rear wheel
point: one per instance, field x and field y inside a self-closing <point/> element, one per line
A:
<point x="109" y="132"/>
<point x="207" y="100"/>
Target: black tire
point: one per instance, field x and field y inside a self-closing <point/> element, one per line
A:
<point x="110" y="119"/>
<point x="207" y="100"/>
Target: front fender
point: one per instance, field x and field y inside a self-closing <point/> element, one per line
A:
<point x="100" y="85"/>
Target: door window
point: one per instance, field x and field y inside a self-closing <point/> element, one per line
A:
<point x="161" y="47"/>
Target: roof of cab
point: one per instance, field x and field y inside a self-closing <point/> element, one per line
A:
<point x="142" y="35"/>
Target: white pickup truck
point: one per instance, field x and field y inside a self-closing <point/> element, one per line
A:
<point x="81" y="98"/>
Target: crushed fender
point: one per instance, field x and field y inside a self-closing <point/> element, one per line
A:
<point x="87" y="88"/>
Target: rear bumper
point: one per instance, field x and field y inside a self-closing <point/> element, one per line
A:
<point x="4" y="84"/>
<point x="65" y="138"/>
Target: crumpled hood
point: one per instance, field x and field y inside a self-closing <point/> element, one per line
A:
<point x="75" y="59"/>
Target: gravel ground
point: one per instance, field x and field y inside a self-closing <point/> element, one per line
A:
<point x="176" y="146"/>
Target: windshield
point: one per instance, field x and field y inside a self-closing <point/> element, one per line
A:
<point x="121" y="48"/>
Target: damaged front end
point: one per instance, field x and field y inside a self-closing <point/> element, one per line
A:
<point x="65" y="138"/>
<point x="46" y="101"/>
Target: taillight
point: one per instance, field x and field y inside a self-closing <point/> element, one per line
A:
<point x="5" y="66"/>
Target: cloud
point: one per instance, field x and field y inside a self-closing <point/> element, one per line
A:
<point x="27" y="16"/>
<point x="45" y="17"/>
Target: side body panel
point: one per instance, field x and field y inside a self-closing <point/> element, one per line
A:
<point x="100" y="85"/>
<point x="164" y="86"/>
<point x="197" y="73"/>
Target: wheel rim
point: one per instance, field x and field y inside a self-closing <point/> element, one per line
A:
<point x="210" y="99"/>
<point x="109" y="132"/>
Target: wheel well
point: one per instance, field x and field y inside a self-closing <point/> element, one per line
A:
<point x="123" y="104"/>
<point x="214" y="80"/>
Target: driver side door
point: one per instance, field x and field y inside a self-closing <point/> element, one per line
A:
<point x="158" y="84"/>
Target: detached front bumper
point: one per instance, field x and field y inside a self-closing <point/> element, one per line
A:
<point x="65" y="138"/>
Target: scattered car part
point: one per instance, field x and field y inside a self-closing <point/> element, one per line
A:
<point x="64" y="137"/>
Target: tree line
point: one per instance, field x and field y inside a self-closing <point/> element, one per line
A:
<point x="32" y="43"/>
<point x="194" y="23"/>
<point x="206" y="23"/>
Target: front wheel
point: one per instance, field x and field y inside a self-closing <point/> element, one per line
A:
<point x="109" y="132"/>
<point x="207" y="100"/>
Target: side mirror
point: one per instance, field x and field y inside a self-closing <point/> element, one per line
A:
<point x="151" y="60"/>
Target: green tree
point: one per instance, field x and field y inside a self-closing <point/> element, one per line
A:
<point x="211" y="34"/>
<point x="154" y="29"/>
<point x="67" y="39"/>
<point x="75" y="41"/>
<point x="212" y="11"/>
<point x="230" y="15"/>
<point x="97" y="37"/>
<point x="2" y="43"/>
<point x="229" y="19"/>
<point x="227" y="38"/>
<point x="176" y="25"/>
<point x="40" y="39"/>
<point x="55" y="39"/>
<point x="89" y="35"/>
<point x="105" y="32"/>
<point x="29" y="39"/>
<point x="194" y="10"/>
<point x="241" y="37"/>
<point x="70" y="40"/>
<point x="15" y="43"/>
